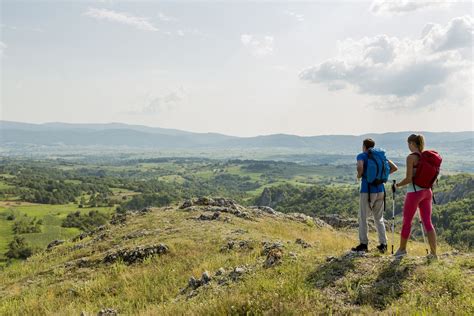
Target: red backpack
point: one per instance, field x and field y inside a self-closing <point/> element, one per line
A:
<point x="427" y="170"/>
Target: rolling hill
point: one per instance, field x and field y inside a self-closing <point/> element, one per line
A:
<point x="214" y="257"/>
<point x="15" y="134"/>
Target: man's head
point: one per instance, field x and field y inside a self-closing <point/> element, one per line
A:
<point x="367" y="144"/>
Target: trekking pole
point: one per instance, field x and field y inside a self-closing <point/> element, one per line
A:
<point x="422" y="231"/>
<point x="393" y="212"/>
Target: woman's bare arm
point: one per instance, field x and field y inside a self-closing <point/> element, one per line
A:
<point x="409" y="175"/>
<point x="393" y="167"/>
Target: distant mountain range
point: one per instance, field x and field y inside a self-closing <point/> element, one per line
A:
<point x="16" y="134"/>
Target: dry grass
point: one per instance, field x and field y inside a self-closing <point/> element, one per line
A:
<point x="44" y="286"/>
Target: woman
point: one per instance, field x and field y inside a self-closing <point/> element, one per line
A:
<point x="416" y="197"/>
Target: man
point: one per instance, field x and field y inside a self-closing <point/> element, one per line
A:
<point x="375" y="204"/>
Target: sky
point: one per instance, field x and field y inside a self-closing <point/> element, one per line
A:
<point x="240" y="68"/>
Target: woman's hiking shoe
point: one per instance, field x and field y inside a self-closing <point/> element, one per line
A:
<point x="432" y="257"/>
<point x="361" y="247"/>
<point x="400" y="254"/>
<point x="382" y="248"/>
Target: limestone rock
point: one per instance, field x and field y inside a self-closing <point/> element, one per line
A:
<point x="274" y="257"/>
<point x="107" y="312"/>
<point x="137" y="254"/>
<point x="303" y="243"/>
<point x="214" y="216"/>
<point x="55" y="243"/>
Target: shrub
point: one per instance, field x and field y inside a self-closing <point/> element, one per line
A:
<point x="24" y="225"/>
<point x="86" y="222"/>
<point x="18" y="248"/>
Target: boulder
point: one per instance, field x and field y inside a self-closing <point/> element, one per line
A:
<point x="205" y="217"/>
<point x="265" y="209"/>
<point x="55" y="243"/>
<point x="274" y="257"/>
<point x="194" y="283"/>
<point x="205" y="278"/>
<point x="303" y="243"/>
<point x="107" y="312"/>
<point x="137" y="254"/>
<point x="268" y="246"/>
<point x="242" y="245"/>
<point x="237" y="273"/>
<point x="186" y="204"/>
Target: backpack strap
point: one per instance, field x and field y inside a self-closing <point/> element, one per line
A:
<point x="418" y="155"/>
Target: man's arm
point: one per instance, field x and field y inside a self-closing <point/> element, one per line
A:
<point x="360" y="168"/>
<point x="393" y="167"/>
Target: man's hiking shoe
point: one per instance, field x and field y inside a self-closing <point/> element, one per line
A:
<point x="400" y="254"/>
<point x="382" y="248"/>
<point x="361" y="247"/>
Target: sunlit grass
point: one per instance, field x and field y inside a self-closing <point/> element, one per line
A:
<point x="152" y="287"/>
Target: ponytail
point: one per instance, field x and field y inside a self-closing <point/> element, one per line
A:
<point x="418" y="140"/>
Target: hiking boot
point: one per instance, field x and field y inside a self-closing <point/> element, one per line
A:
<point x="382" y="248"/>
<point x="361" y="247"/>
<point x="400" y="254"/>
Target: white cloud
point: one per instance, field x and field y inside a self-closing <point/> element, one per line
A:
<point x="166" y="18"/>
<point x="458" y="34"/>
<point x="17" y="28"/>
<point x="258" y="46"/>
<point x="404" y="72"/>
<point x="298" y="17"/>
<point x="398" y="7"/>
<point x="163" y="103"/>
<point x="2" y="48"/>
<point x="140" y="23"/>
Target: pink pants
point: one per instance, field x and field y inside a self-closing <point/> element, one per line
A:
<point x="413" y="200"/>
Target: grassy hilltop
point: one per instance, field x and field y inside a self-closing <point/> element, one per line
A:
<point x="217" y="257"/>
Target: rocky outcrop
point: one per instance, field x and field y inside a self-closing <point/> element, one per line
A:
<point x="221" y="277"/>
<point x="270" y="197"/>
<point x="55" y="243"/>
<point x="194" y="283"/>
<point x="138" y="254"/>
<point x="274" y="257"/>
<point x="215" y="205"/>
<point x="265" y="209"/>
<point x="303" y="243"/>
<point x="107" y="312"/>
<point x="206" y="201"/>
<point x="96" y="231"/>
<point x="273" y="252"/>
<point x="241" y="245"/>
<point x="221" y="205"/>
<point x="206" y="217"/>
